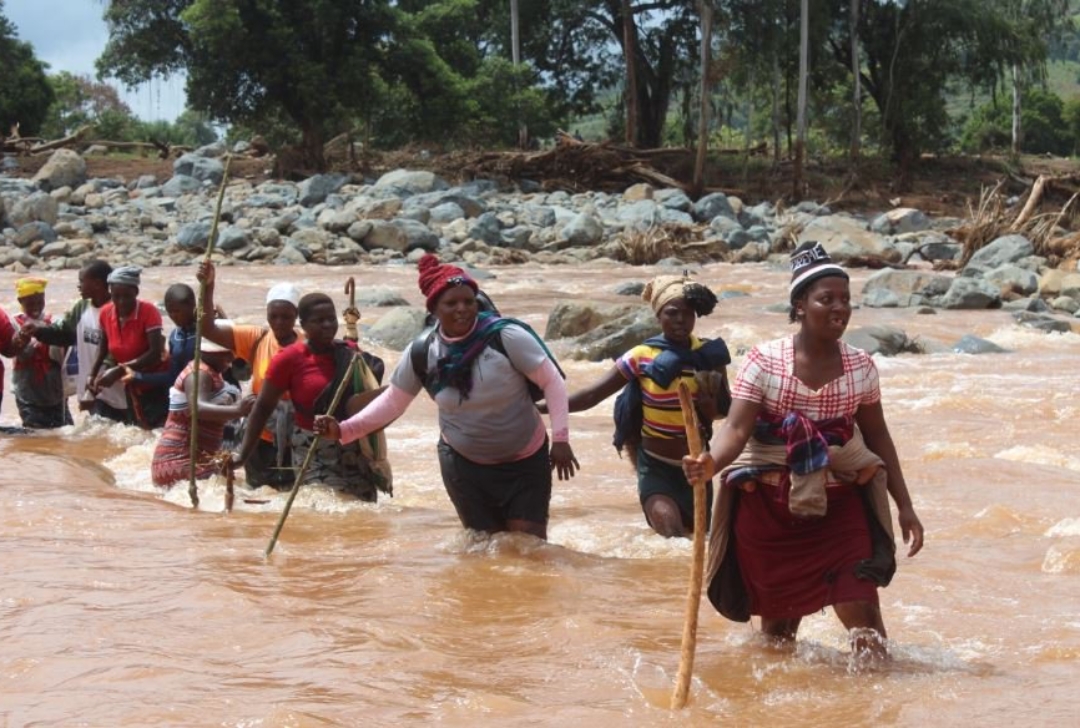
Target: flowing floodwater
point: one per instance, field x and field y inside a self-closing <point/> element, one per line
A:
<point x="121" y="606"/>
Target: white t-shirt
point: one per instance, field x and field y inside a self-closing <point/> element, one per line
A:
<point x="87" y="346"/>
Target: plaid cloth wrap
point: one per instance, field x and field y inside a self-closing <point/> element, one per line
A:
<point x="807" y="443"/>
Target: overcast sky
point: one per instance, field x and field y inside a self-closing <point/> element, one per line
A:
<point x="69" y="35"/>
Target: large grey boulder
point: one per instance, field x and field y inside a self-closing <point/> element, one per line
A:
<point x="1001" y="251"/>
<point x="204" y="169"/>
<point x="37" y="206"/>
<point x="711" y="205"/>
<point x="180" y="184"/>
<point x="899" y="221"/>
<point x="574" y="318"/>
<point x="971" y="344"/>
<point x="397" y="327"/>
<point x="193" y="236"/>
<point x="883" y="340"/>
<point x="405" y="182"/>
<point x="1013" y="279"/>
<point x="316" y="189"/>
<point x="65" y="168"/>
<point x="615" y="337"/>
<point x="584" y="229"/>
<point x="890" y="288"/>
<point x="842" y="235"/>
<point x="971" y="293"/>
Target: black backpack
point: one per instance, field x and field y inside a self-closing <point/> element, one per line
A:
<point x="418" y="349"/>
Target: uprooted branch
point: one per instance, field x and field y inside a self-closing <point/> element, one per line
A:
<point x="992" y="219"/>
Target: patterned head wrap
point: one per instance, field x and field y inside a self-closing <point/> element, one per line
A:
<point x="662" y="290"/>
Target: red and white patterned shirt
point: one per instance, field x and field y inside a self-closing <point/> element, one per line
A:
<point x="767" y="375"/>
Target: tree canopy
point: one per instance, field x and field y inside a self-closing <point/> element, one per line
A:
<point x="25" y="93"/>
<point x="397" y="71"/>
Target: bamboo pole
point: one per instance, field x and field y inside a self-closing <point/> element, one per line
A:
<point x="193" y="405"/>
<point x="307" y="458"/>
<point x="693" y="596"/>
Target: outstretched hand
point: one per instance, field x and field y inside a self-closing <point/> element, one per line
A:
<point x="563" y="461"/>
<point x="327" y="427"/>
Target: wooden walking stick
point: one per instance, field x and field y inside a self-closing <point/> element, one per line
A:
<point x="193" y="405"/>
<point x="351" y="314"/>
<point x="311" y="451"/>
<point x="693" y="596"/>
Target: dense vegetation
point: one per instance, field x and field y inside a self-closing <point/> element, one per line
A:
<point x="931" y="75"/>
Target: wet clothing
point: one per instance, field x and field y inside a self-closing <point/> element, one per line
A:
<point x="498" y="416"/>
<point x="172" y="456"/>
<point x="311" y="378"/>
<point x="493" y="447"/>
<point x="765" y="556"/>
<point x="7" y="333"/>
<point x="81" y="328"/>
<point x="486" y="496"/>
<point x="655" y="369"/>
<point x="148" y="405"/>
<point x="271" y="461"/>
<point x="658" y="476"/>
<point x="38" y="381"/>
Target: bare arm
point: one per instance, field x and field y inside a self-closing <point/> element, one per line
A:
<point x="597" y="392"/>
<point x="268" y="398"/>
<point x="153" y="355"/>
<point x="727" y="443"/>
<point x="871" y="421"/>
<point x="221" y="334"/>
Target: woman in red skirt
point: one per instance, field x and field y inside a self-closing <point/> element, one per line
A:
<point x="807" y="465"/>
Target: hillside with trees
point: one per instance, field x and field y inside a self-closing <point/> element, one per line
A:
<point x="866" y="84"/>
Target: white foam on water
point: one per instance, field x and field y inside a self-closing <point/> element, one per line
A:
<point x="949" y="451"/>
<point x="1062" y="558"/>
<point x="1040" y="455"/>
<point x="1064" y="527"/>
<point x="1024" y="337"/>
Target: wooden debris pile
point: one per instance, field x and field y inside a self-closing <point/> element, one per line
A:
<point x="992" y="219"/>
<point x="576" y="166"/>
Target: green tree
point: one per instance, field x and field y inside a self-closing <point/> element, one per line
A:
<point x="313" y="62"/>
<point x="25" y="94"/>
<point x="79" y="100"/>
<point x="1044" y="118"/>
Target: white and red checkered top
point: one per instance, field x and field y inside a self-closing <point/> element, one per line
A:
<point x="767" y="375"/>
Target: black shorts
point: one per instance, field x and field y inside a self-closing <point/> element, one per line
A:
<point x="655" y="477"/>
<point x="486" y="497"/>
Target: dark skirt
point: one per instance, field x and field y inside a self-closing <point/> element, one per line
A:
<point x="794" y="566"/>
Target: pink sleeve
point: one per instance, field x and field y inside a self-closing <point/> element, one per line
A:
<point x="547" y="377"/>
<point x="383" y="410"/>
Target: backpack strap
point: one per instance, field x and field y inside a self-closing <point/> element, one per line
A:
<point x="418" y="354"/>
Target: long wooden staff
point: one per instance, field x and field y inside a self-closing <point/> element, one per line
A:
<point x="311" y="451"/>
<point x="693" y="596"/>
<point x="193" y="489"/>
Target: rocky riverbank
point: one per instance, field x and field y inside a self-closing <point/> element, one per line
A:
<point x="59" y="219"/>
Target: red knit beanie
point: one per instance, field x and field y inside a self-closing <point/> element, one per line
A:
<point x="436" y="278"/>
